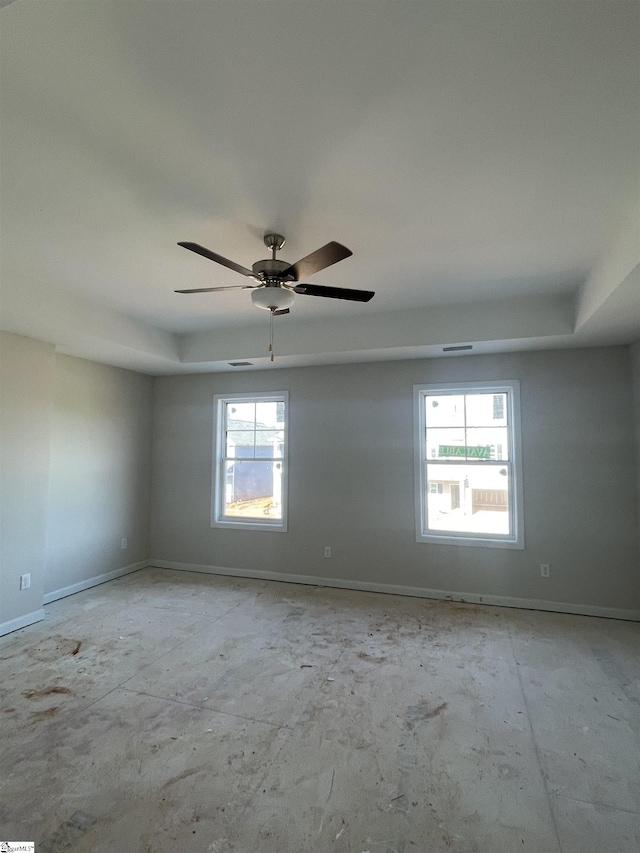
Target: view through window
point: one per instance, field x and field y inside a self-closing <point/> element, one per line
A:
<point x="467" y="473"/>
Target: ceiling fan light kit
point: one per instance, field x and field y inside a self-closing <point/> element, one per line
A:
<point x="272" y="298"/>
<point x="278" y="281"/>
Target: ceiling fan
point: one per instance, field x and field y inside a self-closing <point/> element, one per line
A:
<point x="277" y="281"/>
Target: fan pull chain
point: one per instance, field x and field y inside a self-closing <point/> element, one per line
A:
<point x="271" y="334"/>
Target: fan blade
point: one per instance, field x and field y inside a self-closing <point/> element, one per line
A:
<point x="334" y="292"/>
<point x="211" y="289"/>
<point x="318" y="260"/>
<point x="212" y="256"/>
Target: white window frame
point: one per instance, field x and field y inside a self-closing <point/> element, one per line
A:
<point x="515" y="539"/>
<point x="218" y="474"/>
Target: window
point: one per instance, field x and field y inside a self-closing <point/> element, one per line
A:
<point x="250" y="462"/>
<point x="468" y="464"/>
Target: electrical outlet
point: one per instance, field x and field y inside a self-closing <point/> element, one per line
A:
<point x="124" y="544"/>
<point x="544" y="570"/>
<point x="25" y="582"/>
<point x="327" y="550"/>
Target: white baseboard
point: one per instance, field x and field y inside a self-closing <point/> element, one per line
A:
<point x="414" y="591"/>
<point x="94" y="581"/>
<point x="21" y="622"/>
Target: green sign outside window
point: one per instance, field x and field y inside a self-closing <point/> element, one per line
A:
<point x="478" y="451"/>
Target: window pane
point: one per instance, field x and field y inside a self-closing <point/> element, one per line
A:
<point x="445" y="410"/>
<point x="269" y="443"/>
<point x="486" y="409"/>
<point x="494" y="441"/>
<point x="474" y="499"/>
<point x="270" y="415"/>
<point x="447" y="442"/>
<point x="253" y="489"/>
<point x="240" y="415"/>
<point x="240" y="444"/>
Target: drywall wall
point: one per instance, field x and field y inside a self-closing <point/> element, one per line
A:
<point x="100" y="472"/>
<point x="351" y="478"/>
<point x="26" y="370"/>
<point x="634" y="353"/>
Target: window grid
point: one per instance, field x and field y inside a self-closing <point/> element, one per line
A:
<point x="467" y="460"/>
<point x="489" y="463"/>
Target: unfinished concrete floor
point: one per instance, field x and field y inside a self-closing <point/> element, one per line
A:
<point x="182" y="712"/>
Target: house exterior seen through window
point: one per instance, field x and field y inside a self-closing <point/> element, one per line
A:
<point x="468" y="469"/>
<point x="250" y="471"/>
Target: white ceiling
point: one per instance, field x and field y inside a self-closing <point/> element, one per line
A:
<point x="480" y="159"/>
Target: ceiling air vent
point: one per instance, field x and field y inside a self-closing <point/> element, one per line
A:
<point x="240" y="363"/>
<point x="456" y="349"/>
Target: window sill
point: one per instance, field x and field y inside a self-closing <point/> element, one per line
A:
<point x="251" y="525"/>
<point x="435" y="539"/>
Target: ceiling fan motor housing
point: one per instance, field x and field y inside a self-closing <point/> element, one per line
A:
<point x="272" y="269"/>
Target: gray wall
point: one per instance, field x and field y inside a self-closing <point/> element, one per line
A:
<point x="635" y="381"/>
<point x="26" y="372"/>
<point x="74" y="465"/>
<point x="351" y="478"/>
<point x="75" y="460"/>
<point x="100" y="471"/>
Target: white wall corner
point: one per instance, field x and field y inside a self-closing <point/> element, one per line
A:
<point x="611" y="271"/>
<point x="81" y="328"/>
